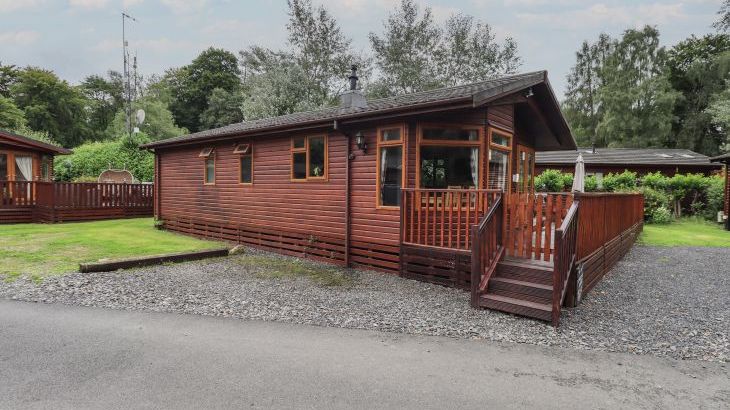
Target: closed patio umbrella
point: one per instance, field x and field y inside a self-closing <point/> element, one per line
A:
<point x="579" y="178"/>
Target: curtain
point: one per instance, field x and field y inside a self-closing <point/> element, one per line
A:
<point x="383" y="165"/>
<point x="474" y="162"/>
<point x="25" y="166"/>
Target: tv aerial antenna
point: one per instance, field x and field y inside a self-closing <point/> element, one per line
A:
<point x="127" y="80"/>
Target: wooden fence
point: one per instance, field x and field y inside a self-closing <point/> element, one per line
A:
<point x="69" y="201"/>
<point x="443" y="217"/>
<point x="607" y="227"/>
<point x="531" y="221"/>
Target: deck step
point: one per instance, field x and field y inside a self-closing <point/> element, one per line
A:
<point x="525" y="272"/>
<point x="531" y="291"/>
<point x="535" y="310"/>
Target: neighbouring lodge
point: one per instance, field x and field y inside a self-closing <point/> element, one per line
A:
<point x="26" y="159"/>
<point x="602" y="161"/>
<point x="435" y="186"/>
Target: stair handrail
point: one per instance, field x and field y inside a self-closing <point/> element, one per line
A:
<point x="486" y="249"/>
<point x="564" y="259"/>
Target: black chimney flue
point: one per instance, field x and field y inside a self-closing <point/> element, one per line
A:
<point x="353" y="78"/>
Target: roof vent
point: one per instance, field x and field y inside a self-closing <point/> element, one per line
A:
<point x="353" y="98"/>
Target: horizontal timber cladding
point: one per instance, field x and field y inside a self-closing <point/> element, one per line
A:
<point x="16" y="215"/>
<point x="447" y="267"/>
<point x="599" y="262"/>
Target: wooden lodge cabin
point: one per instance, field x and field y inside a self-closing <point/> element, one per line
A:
<point x="602" y="161"/>
<point x="435" y="186"/>
<point x="22" y="162"/>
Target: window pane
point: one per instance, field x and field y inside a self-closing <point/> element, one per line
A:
<point x="450" y="134"/>
<point x="391" y="175"/>
<point x="498" y="168"/>
<point x="316" y="157"/>
<point x="209" y="171"/>
<point x="390" y="135"/>
<point x="23" y="168"/>
<point x="3" y="167"/>
<point x="500" y="139"/>
<point x="298" y="142"/>
<point x="449" y="167"/>
<point x="246" y="169"/>
<point x="299" y="165"/>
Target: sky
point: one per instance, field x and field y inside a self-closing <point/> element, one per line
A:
<point x="76" y="38"/>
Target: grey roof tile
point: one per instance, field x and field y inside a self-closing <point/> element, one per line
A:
<point x="625" y="156"/>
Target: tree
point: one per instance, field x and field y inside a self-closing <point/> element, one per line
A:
<point x="105" y="97"/>
<point x="637" y="98"/>
<point x="406" y="53"/>
<point x="469" y="52"/>
<point x="158" y="123"/>
<point x="11" y="117"/>
<point x="719" y="110"/>
<point x="224" y="108"/>
<point x="581" y="105"/>
<point x="698" y="68"/>
<point x="51" y="105"/>
<point x="8" y="76"/>
<point x="723" y="24"/>
<point x="192" y="85"/>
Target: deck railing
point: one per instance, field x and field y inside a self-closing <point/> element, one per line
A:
<point x="604" y="216"/>
<point x="486" y="249"/>
<point x="565" y="257"/>
<point x="15" y="194"/>
<point x="443" y="217"/>
<point x="531" y="220"/>
<point x="88" y="195"/>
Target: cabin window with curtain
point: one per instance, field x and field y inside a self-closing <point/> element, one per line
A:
<point x="500" y="145"/>
<point x="208" y="156"/>
<point x="46" y="168"/>
<point x="390" y="165"/>
<point x="245" y="163"/>
<point x="449" y="157"/>
<point x="309" y="158"/>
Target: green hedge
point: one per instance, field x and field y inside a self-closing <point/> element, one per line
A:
<point x="91" y="159"/>
<point x="665" y="198"/>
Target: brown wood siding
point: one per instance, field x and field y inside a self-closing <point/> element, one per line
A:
<point x="502" y="116"/>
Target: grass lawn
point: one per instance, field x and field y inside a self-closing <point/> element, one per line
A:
<point x="41" y="250"/>
<point x="686" y="232"/>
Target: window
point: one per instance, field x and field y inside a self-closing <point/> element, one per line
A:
<point x="390" y="166"/>
<point x="500" y="139"/>
<point x="309" y="158"/>
<point x="498" y="169"/>
<point x="23" y="168"/>
<point x="449" y="157"/>
<point x="245" y="163"/>
<point x="209" y="171"/>
<point x="3" y="167"/>
<point x="46" y="168"/>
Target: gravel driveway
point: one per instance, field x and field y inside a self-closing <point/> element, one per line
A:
<point x="664" y="301"/>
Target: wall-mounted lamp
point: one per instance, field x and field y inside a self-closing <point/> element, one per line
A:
<point x="529" y="93"/>
<point x="360" y="141"/>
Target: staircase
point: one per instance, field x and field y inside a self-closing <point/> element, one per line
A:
<point x="521" y="286"/>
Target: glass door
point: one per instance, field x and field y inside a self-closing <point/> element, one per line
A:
<point x="523" y="181"/>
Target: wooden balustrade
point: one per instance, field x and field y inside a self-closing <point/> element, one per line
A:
<point x="486" y="249"/>
<point x="14" y="194"/>
<point x="565" y="258"/>
<point x="68" y="201"/>
<point x="605" y="216"/>
<point x="531" y="220"/>
<point x="443" y="217"/>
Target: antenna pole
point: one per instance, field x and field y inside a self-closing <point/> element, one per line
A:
<point x="127" y="80"/>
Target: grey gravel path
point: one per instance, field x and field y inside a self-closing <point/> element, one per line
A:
<point x="672" y="302"/>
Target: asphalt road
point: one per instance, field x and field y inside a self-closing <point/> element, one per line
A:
<point x="57" y="356"/>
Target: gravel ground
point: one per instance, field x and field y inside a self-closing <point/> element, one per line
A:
<point x="670" y="302"/>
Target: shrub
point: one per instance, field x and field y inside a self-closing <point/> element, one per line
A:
<point x="91" y="159"/>
<point x="687" y="188"/>
<point x="591" y="184"/>
<point x="655" y="180"/>
<point x="653" y="200"/>
<point x="625" y="181"/>
<point x="714" y="197"/>
<point x="661" y="215"/>
<point x="552" y="180"/>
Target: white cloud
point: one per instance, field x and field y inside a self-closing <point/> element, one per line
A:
<point x="184" y="6"/>
<point x="7" y="6"/>
<point x="600" y="15"/>
<point x="19" y="38"/>
<point x="88" y="4"/>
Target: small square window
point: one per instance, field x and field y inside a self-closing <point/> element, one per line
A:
<point x="205" y="153"/>
<point x="242" y="149"/>
<point x="392" y="134"/>
<point x="298" y="142"/>
<point x="500" y="139"/>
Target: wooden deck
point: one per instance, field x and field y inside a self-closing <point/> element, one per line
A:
<point x="529" y="254"/>
<point x="51" y="202"/>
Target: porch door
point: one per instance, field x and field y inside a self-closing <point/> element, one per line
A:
<point x="4" y="173"/>
<point x="522" y="180"/>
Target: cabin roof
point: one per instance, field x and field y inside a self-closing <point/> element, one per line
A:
<point x="20" y="141"/>
<point x="725" y="158"/>
<point x="625" y="156"/>
<point x="477" y="94"/>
